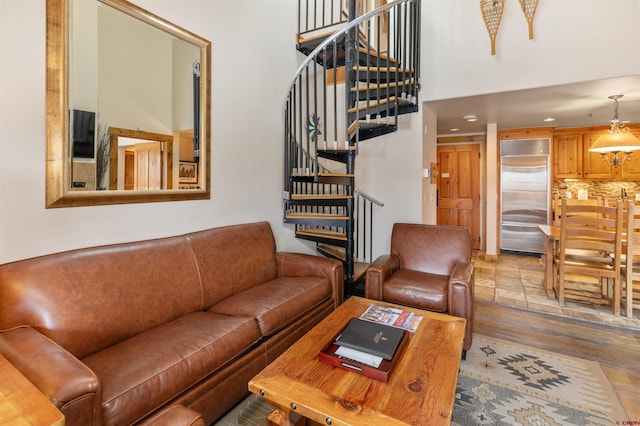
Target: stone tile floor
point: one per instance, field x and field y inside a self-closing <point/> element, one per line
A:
<point x="516" y="280"/>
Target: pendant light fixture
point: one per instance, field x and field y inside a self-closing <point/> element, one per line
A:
<point x="618" y="140"/>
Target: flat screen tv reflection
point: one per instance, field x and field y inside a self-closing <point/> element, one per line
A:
<point x="83" y="133"/>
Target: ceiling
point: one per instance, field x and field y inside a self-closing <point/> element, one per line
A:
<point x="572" y="105"/>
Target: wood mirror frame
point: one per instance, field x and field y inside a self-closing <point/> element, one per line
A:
<point x="58" y="155"/>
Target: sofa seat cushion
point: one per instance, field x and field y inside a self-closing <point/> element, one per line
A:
<point x="278" y="302"/>
<point x="418" y="289"/>
<point x="148" y="370"/>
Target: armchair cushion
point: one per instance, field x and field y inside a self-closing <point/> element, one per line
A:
<point x="419" y="289"/>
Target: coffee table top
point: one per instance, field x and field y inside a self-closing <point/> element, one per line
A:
<point x="421" y="388"/>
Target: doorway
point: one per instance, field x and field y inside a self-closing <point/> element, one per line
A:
<point x="458" y="188"/>
<point x="140" y="160"/>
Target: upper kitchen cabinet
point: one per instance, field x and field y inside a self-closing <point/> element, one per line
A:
<point x="592" y="165"/>
<point x="573" y="160"/>
<point x="567" y="156"/>
<point x="631" y="168"/>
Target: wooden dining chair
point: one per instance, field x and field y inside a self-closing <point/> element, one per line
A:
<point x="588" y="260"/>
<point x="556" y="204"/>
<point x="630" y="272"/>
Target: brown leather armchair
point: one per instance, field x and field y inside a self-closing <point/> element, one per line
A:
<point x="429" y="268"/>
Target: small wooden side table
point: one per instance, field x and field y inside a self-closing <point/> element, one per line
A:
<point x="21" y="403"/>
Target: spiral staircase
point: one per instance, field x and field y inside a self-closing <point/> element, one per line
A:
<point x="360" y="72"/>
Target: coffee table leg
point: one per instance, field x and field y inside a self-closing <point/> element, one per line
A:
<point x="282" y="418"/>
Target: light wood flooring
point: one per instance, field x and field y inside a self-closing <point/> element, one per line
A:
<point x="615" y="348"/>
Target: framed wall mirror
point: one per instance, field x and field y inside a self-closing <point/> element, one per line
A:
<point x="128" y="103"/>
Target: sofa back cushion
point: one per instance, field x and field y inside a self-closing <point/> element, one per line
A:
<point x="233" y="258"/>
<point x="87" y="300"/>
<point x="433" y="249"/>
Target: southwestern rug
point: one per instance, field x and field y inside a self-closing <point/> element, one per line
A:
<point x="504" y="383"/>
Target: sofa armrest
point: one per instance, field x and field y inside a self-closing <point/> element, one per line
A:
<point x="69" y="384"/>
<point x="305" y="265"/>
<point x="377" y="273"/>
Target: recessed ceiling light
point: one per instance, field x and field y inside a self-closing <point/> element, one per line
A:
<point x="550" y="119"/>
<point x="470" y="118"/>
<point x="453" y="130"/>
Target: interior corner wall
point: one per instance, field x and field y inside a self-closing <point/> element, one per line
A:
<point x="429" y="155"/>
<point x="389" y="168"/>
<point x="492" y="189"/>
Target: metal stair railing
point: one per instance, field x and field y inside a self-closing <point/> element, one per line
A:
<point x="363" y="214"/>
<point x="363" y="229"/>
<point x="376" y="56"/>
<point x="313" y="95"/>
<point x="315" y="15"/>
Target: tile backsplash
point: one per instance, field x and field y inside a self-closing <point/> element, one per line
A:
<point x="594" y="188"/>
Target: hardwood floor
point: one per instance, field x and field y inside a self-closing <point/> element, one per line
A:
<point x="615" y="348"/>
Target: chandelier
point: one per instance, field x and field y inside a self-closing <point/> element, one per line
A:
<point x="618" y="140"/>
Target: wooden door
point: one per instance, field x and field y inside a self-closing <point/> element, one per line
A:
<point x="459" y="188"/>
<point x="148" y="165"/>
<point x="129" y="170"/>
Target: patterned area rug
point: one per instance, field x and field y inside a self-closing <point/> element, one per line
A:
<point x="503" y="383"/>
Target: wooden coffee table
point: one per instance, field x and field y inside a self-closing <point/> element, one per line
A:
<point x="420" y="391"/>
<point x="21" y="403"/>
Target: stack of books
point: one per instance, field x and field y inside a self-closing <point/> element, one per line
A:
<point x="372" y="344"/>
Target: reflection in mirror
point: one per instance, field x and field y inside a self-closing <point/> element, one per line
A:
<point x="127" y="103"/>
<point x="140" y="160"/>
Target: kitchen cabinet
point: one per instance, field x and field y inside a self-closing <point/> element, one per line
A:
<point x="573" y="160"/>
<point x="593" y="167"/>
<point x="567" y="156"/>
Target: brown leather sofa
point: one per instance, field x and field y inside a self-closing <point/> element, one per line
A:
<point x="114" y="335"/>
<point x="429" y="267"/>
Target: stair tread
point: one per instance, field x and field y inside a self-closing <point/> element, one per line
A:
<point x="379" y="55"/>
<point x="359" y="268"/>
<point x="320" y="196"/>
<point x="324" y="174"/>
<point x="340" y="147"/>
<point x="375" y="86"/>
<point x="323" y="233"/>
<point x="308" y="215"/>
<point x="335" y="174"/>
<point x="363" y="68"/>
<point x="369" y="125"/>
<point x="320" y="34"/>
<point x="372" y="104"/>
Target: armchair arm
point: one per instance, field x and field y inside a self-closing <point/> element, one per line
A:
<point x="378" y="272"/>
<point x="306" y="265"/>
<point x="460" y="303"/>
<point x="69" y="384"/>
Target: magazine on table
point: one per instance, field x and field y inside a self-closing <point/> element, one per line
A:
<point x="392" y="316"/>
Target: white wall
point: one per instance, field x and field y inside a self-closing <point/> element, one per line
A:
<point x="574" y="40"/>
<point x="253" y="58"/>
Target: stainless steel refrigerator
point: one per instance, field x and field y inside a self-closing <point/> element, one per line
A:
<point x="524" y="194"/>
